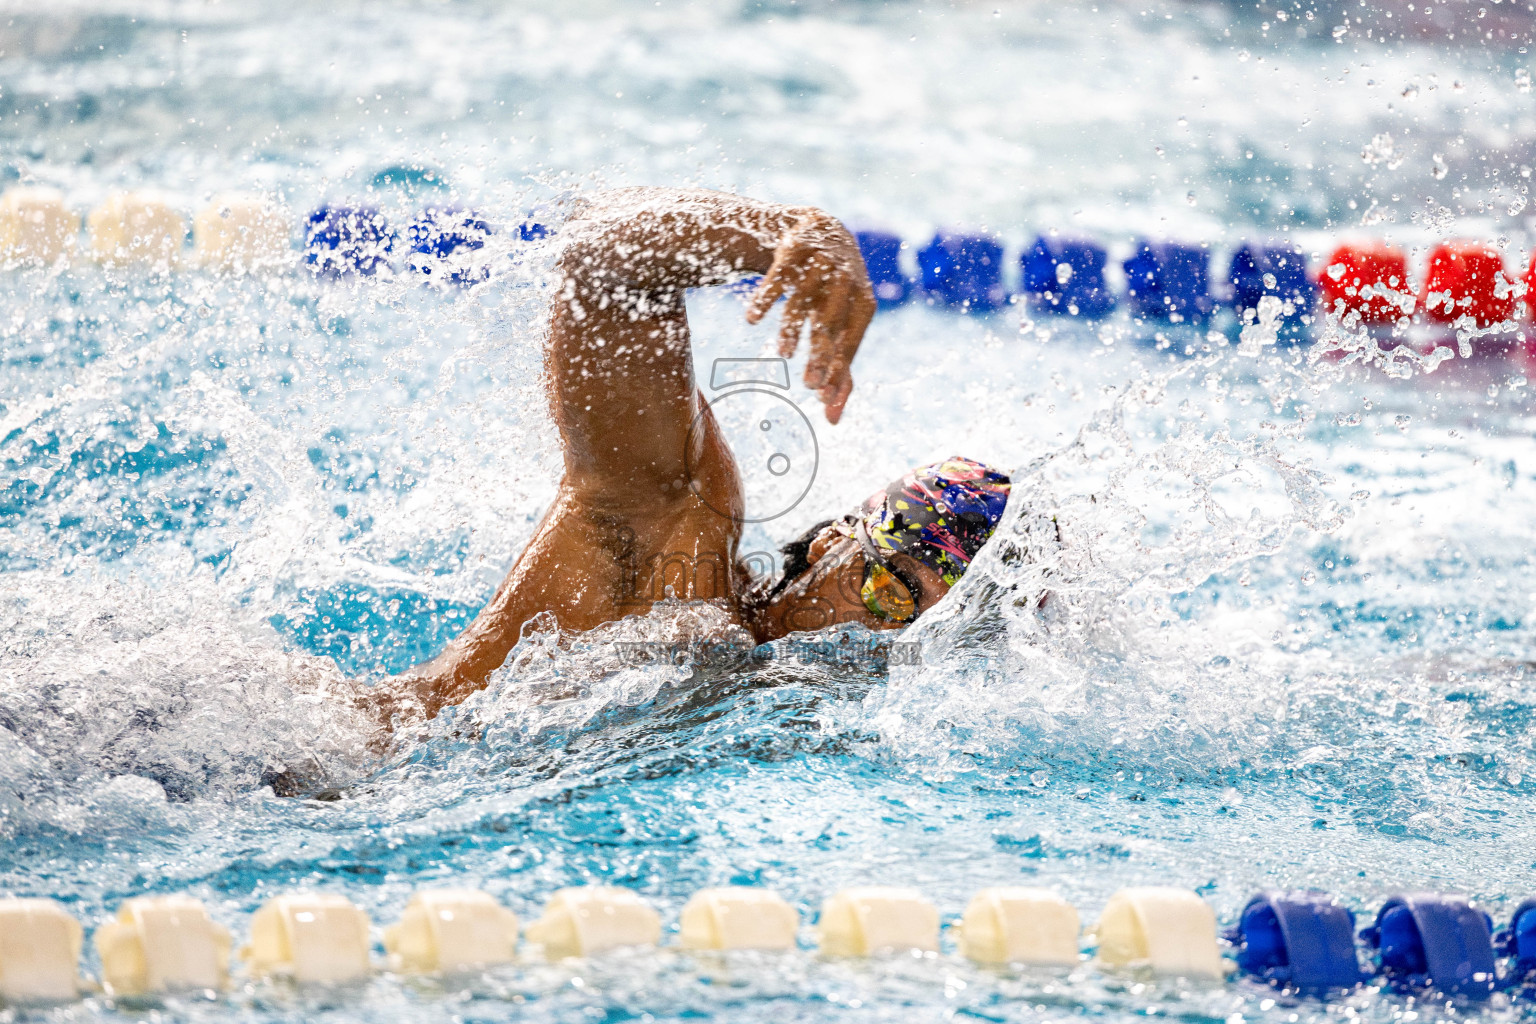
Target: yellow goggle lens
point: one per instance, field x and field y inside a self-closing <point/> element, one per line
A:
<point x="885" y="596"/>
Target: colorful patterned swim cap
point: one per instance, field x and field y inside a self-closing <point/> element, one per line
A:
<point x="940" y="515"/>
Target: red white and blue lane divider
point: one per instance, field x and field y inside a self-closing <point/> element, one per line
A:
<point x="342" y="240"/>
<point x="1423" y="945"/>
<point x="1168" y="281"/>
<point x="1365" y="283"/>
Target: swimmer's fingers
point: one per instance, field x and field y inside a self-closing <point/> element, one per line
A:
<point x="835" y="396"/>
<point x="829" y="374"/>
<point x="826" y="325"/>
<point x="827" y="370"/>
<point x="861" y="310"/>
<point x="837" y="385"/>
<point x="797" y="311"/>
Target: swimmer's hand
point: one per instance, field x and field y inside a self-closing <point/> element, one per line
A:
<point x="819" y="263"/>
<point x="410" y="698"/>
<point x="633" y="251"/>
<point x="397" y="703"/>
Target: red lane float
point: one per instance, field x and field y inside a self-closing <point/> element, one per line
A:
<point x="1530" y="288"/>
<point x="1467" y="279"/>
<point x="1366" y="277"/>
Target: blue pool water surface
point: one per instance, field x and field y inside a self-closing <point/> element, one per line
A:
<point x="1289" y="641"/>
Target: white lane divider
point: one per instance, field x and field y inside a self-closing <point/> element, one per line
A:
<point x="309" y="937"/>
<point x="136" y="228"/>
<point x="39" y="950"/>
<point x="36" y="228"/>
<point x="162" y="944"/>
<point x="450" y="930"/>
<point x="737" y="917"/>
<point x="877" y="919"/>
<point x="1019" y="924"/>
<point x="1171" y="931"/>
<point x="591" y="919"/>
<point x="240" y="234"/>
<point x="165" y="944"/>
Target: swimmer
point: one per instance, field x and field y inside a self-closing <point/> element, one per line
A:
<point x="646" y="465"/>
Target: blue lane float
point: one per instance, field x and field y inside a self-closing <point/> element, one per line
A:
<point x="882" y="258"/>
<point x="1427" y="940"/>
<point x="441" y="240"/>
<point x="1301" y="940"/>
<point x="965" y="271"/>
<point x="1066" y="275"/>
<point x="344" y="240"/>
<point x="1518" y="942"/>
<point x="1169" y="281"/>
<point x="1258" y="270"/>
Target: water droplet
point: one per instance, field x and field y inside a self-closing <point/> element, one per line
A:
<point x="1308" y="578"/>
<point x="1438" y="168"/>
<point x="1523" y="79"/>
<point x="1190" y="199"/>
<point x="1401" y="422"/>
<point x="1039" y="779"/>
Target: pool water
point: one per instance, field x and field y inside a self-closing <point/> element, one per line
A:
<point x="1289" y="637"/>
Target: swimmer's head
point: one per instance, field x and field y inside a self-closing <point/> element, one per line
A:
<point x="893" y="557"/>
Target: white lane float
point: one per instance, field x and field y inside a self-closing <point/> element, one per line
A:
<point x="451" y="930"/>
<point x="162" y="944"/>
<point x="591" y="919"/>
<point x="237" y="233"/>
<point x="1020" y="925"/>
<point x="867" y="920"/>
<point x="1168" y="930"/>
<point x="136" y="229"/>
<point x="39" y="952"/>
<point x="310" y="938"/>
<point x="737" y="917"/>
<point x="36" y="228"/>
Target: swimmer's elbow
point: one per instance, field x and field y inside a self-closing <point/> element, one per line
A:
<point x="591" y="264"/>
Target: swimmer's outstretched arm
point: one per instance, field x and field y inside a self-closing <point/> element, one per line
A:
<point x="621" y="385"/>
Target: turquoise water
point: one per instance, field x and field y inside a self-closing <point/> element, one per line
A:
<point x="1290" y="640"/>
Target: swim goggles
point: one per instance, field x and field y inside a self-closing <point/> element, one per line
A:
<point x="889" y="594"/>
